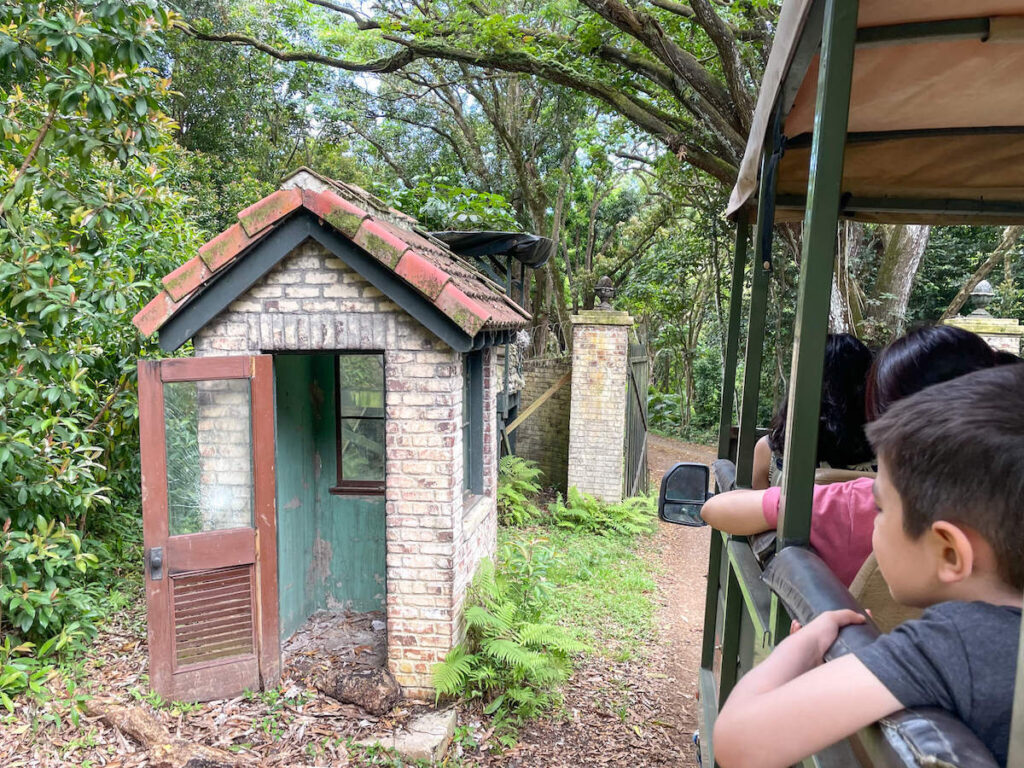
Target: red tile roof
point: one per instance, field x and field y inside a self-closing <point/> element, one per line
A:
<point x="451" y="284"/>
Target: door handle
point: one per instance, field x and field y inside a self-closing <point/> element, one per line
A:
<point x="156" y="563"/>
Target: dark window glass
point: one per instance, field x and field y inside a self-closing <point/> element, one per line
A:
<point x="472" y="423"/>
<point x="361" y="422"/>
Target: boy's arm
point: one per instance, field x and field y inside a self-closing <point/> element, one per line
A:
<point x="736" y="512"/>
<point x="787" y="708"/>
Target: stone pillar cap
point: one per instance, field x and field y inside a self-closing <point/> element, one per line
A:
<point x="601" y="317"/>
<point x="986" y="324"/>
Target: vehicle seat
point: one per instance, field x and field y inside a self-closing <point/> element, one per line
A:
<point x="870" y="590"/>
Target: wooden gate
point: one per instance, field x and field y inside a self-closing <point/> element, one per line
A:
<point x="635" y="476"/>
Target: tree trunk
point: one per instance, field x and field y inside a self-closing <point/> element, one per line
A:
<point x="845" y="303"/>
<point x="904" y="246"/>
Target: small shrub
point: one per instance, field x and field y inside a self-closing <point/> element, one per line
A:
<point x="41" y="589"/>
<point x="517" y="483"/>
<point x="510" y="659"/>
<point x="582" y="512"/>
<point x="21" y="672"/>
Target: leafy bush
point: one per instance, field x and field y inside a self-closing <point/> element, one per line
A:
<point x="21" y="671"/>
<point x="510" y="658"/>
<point x="90" y="224"/>
<point x="517" y="482"/>
<point x="582" y="512"/>
<point x="40" y="579"/>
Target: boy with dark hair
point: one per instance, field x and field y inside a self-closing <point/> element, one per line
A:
<point x="949" y="536"/>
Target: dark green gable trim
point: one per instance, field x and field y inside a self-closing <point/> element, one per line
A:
<point x="268" y="253"/>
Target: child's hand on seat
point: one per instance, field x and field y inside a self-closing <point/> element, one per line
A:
<point x="824" y="630"/>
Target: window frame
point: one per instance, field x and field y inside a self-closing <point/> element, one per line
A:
<point x="473" y="447"/>
<point x="342" y="486"/>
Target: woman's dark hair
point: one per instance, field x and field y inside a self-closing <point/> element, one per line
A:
<point x="1006" y="358"/>
<point x="841" y="438"/>
<point x="923" y="357"/>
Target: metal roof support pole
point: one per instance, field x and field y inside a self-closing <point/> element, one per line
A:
<point x="732" y="340"/>
<point x="730" y="636"/>
<point x="760" y="273"/>
<point x="816" y="267"/>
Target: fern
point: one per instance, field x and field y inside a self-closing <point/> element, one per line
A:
<point x="509" y="659"/>
<point x="451" y="674"/>
<point x="517" y="484"/>
<point x="582" y="512"/>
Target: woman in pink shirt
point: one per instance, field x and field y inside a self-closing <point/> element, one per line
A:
<point x="843" y="514"/>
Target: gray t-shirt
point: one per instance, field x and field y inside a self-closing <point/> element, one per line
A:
<point x="960" y="657"/>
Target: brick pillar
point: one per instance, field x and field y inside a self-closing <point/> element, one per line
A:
<point x="597" y="418"/>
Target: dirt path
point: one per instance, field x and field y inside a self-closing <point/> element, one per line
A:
<point x="636" y="713"/>
<point x="684" y="565"/>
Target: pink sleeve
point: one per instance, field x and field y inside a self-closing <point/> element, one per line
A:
<point x="770" y="505"/>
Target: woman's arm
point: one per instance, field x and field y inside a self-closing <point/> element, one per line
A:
<point x="736" y="512"/>
<point x="761" y="473"/>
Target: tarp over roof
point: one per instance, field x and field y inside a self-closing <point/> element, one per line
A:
<point x="467" y="298"/>
<point x="936" y="126"/>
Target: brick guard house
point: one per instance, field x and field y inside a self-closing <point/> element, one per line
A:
<point x="331" y="444"/>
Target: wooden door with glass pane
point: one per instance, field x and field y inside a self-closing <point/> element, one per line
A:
<point x="209" y="528"/>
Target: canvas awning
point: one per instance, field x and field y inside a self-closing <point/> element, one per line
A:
<point x="936" y="126"/>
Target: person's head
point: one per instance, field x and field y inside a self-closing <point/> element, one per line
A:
<point x="1006" y="358"/>
<point x="923" y="357"/>
<point x="949" y="488"/>
<point x="841" y="439"/>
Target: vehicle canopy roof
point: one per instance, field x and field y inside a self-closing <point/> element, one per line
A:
<point x="936" y="124"/>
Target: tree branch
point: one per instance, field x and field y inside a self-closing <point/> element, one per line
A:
<point x="361" y="21"/>
<point x="732" y="65"/>
<point x="655" y="121"/>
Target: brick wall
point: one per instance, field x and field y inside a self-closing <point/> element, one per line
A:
<point x="225" y="453"/>
<point x="544" y="436"/>
<point x="312" y="301"/>
<point x="598" y="412"/>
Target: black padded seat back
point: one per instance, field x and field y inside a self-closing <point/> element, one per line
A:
<point x="919" y="737"/>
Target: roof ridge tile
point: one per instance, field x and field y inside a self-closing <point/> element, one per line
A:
<point x="225" y="247"/>
<point x="186" y="278"/>
<point x="158" y="311"/>
<point x="461" y="309"/>
<point x="375" y="238"/>
<point x="270" y="209"/>
<point x="422" y="274"/>
<point x="342" y="214"/>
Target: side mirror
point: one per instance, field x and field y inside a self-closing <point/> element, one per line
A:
<point x="684" y="489"/>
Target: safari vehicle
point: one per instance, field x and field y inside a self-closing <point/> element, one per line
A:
<point x="892" y="111"/>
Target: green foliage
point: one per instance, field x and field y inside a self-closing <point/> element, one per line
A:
<point x="22" y="671"/>
<point x="511" y="659"/>
<point x="440" y="204"/>
<point x="600" y="587"/>
<point x="517" y="483"/>
<point x="89" y="225"/>
<point x="582" y="512"/>
<point x="40" y="579"/>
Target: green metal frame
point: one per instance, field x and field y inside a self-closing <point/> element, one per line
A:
<point x="817" y="265"/>
<point x="760" y="272"/>
<point x="732" y="343"/>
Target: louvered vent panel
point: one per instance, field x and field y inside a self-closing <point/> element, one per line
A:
<point x="213" y="615"/>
